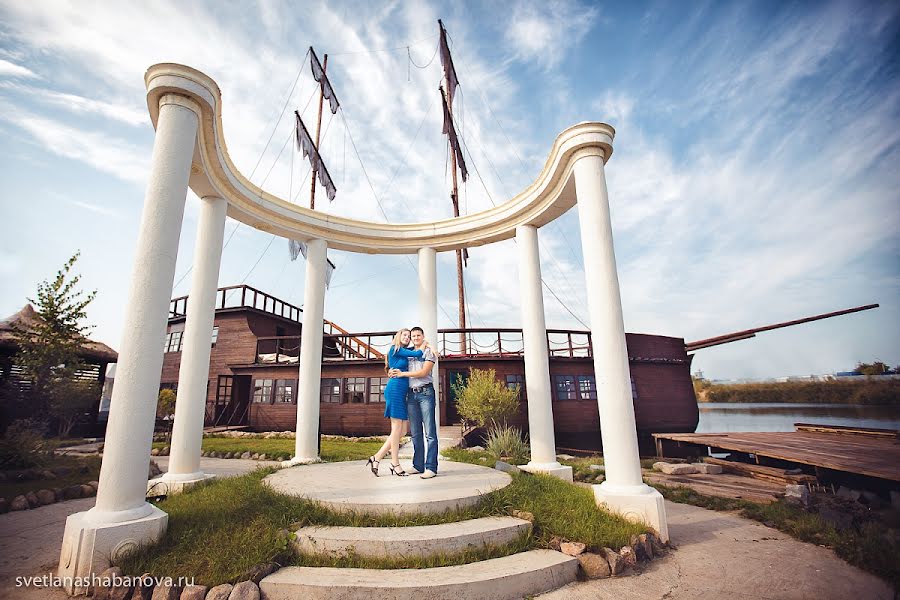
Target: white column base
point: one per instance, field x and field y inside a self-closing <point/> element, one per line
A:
<point x="639" y="503"/>
<point x="300" y="461"/>
<point x="89" y="547"/>
<point x="167" y="484"/>
<point x="553" y="469"/>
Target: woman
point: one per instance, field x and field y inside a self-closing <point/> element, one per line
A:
<point x="395" y="402"/>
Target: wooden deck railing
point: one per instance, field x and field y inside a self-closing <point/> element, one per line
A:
<point x="242" y="296"/>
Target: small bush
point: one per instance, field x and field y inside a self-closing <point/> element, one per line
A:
<point x="484" y="399"/>
<point x="505" y="442"/>
<point x="165" y="405"/>
<point x="23" y="445"/>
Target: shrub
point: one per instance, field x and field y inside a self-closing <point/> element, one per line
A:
<point x="484" y="399"/>
<point x="23" y="445"/>
<point x="166" y="404"/>
<point x="506" y="442"/>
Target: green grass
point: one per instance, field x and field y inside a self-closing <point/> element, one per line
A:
<point x="333" y="449"/>
<point x="873" y="547"/>
<point x="219" y="530"/>
<point x="11" y="488"/>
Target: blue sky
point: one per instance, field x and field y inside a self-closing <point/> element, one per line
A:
<point x="754" y="178"/>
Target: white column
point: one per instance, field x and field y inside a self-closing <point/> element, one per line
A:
<point x="428" y="317"/>
<point x="623" y="490"/>
<point x="121" y="518"/>
<point x="307" y="443"/>
<point x="193" y="374"/>
<point x="537" y="361"/>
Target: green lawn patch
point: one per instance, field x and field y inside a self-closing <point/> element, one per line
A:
<point x="218" y="531"/>
<point x="333" y="449"/>
<point x="81" y="470"/>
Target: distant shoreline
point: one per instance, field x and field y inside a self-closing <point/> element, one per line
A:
<point x="864" y="393"/>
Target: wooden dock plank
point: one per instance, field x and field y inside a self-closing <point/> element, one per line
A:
<point x="875" y="456"/>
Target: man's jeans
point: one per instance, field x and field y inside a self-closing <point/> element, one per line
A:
<point x="420" y="406"/>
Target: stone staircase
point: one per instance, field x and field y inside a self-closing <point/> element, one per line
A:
<point x="514" y="576"/>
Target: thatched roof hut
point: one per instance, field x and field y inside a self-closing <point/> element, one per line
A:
<point x="27" y="318"/>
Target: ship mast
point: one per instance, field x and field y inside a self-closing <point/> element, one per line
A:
<point x="315" y="166"/>
<point x="447" y="90"/>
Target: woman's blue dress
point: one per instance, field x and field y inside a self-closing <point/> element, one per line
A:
<point x="395" y="391"/>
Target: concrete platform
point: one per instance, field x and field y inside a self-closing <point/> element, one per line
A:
<point x="350" y="486"/>
<point x="419" y="541"/>
<point x="517" y="576"/>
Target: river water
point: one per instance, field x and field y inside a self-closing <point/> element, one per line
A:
<point x="778" y="416"/>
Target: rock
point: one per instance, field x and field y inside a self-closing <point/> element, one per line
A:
<point x="165" y="591"/>
<point x="154" y="470"/>
<point x="47" y="475"/>
<point x="120" y="592"/>
<point x="796" y="494"/>
<point x="19" y="503"/>
<point x="524" y="515"/>
<point x="106" y="580"/>
<point x="59" y="494"/>
<point x="144" y="590"/>
<point x="505" y="467"/>
<point x="643" y="547"/>
<point x="46" y="497"/>
<point x="61" y="471"/>
<point x="33" y="501"/>
<point x="555" y="543"/>
<point x="263" y="457"/>
<point x="658" y="547"/>
<point x="836" y="518"/>
<point x="257" y="573"/>
<point x="164" y="451"/>
<point x="572" y="548"/>
<point x="94" y="484"/>
<point x="564" y="457"/>
<point x="4" y="505"/>
<point x="615" y="561"/>
<point x="245" y="590"/>
<point x="254" y="456"/>
<point x="707" y="469"/>
<point x="87" y="490"/>
<point x="600" y="468"/>
<point x="594" y="566"/>
<point x="154" y="452"/>
<point x="847" y="493"/>
<point x="220" y="592"/>
<point x="628" y="555"/>
<point x="72" y="492"/>
<point x="674" y="469"/>
<point x="194" y="592"/>
<point x="246" y="456"/>
<point x="475" y="448"/>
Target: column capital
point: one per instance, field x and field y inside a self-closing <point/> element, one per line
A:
<point x="604" y="153"/>
<point x="180" y="100"/>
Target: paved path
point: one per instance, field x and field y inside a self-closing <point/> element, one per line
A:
<point x="719" y="555"/>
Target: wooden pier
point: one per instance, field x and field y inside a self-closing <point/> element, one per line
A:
<point x="867" y="452"/>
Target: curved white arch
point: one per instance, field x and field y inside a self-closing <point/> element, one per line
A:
<point x="213" y="174"/>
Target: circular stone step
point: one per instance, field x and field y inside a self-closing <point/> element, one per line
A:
<point x="350" y="486"/>
<point x="515" y="576"/>
<point x="421" y="541"/>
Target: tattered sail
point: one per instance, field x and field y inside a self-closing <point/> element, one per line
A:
<point x="320" y="76"/>
<point x="297" y="248"/>
<point x="450" y="130"/>
<point x="447" y="63"/>
<point x="304" y="142"/>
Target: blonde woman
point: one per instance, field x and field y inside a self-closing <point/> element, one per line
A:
<point x="395" y="402"/>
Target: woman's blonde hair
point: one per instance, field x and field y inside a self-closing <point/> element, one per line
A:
<point x="397" y="344"/>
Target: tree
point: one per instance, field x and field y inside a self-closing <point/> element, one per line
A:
<point x="48" y="349"/>
<point x="165" y="404"/>
<point x="875" y="368"/>
<point x="484" y="399"/>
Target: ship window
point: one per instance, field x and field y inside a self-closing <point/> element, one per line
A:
<point x="354" y="390"/>
<point x="215" y="336"/>
<point x="330" y="391"/>
<point x="376" y="389"/>
<point x="634" y="394"/>
<point x="587" y="387"/>
<point x="565" y="387"/>
<point x="173" y="341"/>
<point x="284" y="391"/>
<point x="513" y="380"/>
<point x="262" y="391"/>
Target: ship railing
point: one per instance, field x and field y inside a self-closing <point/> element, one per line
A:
<point x="453" y="343"/>
<point x="242" y="296"/>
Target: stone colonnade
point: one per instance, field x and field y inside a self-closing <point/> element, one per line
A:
<point x="122" y="519"/>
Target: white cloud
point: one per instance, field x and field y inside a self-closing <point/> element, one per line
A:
<point x="9" y="69"/>
<point x="542" y="32"/>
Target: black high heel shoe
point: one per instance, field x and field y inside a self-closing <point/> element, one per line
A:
<point x="398" y="471"/>
<point x="373" y="465"/>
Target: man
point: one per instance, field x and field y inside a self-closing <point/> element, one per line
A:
<point x="420" y="403"/>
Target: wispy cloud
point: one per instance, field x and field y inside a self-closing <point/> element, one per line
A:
<point x="9" y="69"/>
<point x="122" y="113"/>
<point x="542" y="32"/>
